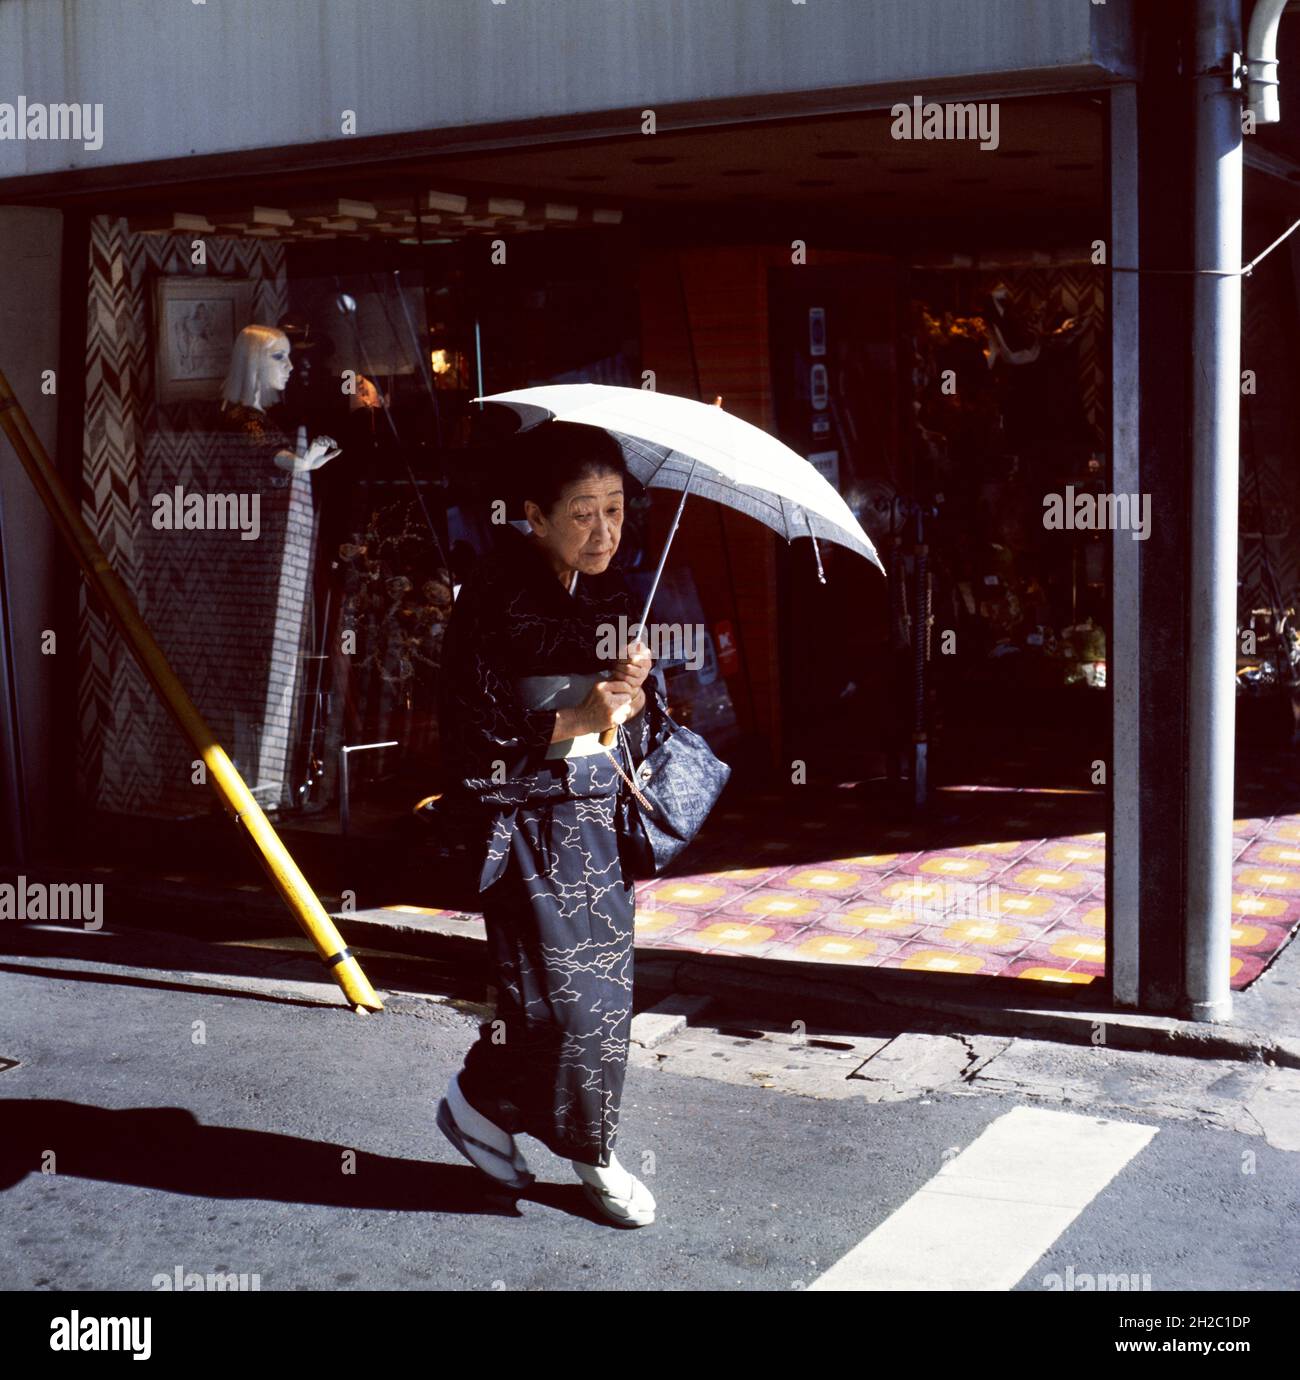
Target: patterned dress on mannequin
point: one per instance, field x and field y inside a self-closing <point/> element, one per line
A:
<point x="262" y="589"/>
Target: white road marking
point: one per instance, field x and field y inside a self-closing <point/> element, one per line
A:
<point x="990" y="1213"/>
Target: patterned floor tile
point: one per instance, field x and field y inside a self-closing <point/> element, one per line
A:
<point x="825" y="879"/>
<point x="821" y="946"/>
<point x="869" y="921"/>
<point x="1281" y="852"/>
<point x="987" y="887"/>
<point x="991" y="937"/>
<point x="770" y="903"/>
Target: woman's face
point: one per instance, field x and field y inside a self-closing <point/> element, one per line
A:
<point x="582" y="530"/>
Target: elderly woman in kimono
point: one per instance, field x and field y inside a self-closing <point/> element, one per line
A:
<point x="558" y="906"/>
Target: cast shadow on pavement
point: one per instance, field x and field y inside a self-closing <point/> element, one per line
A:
<point x="168" y="1149"/>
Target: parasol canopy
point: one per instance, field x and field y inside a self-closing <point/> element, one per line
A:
<point x="670" y="442"/>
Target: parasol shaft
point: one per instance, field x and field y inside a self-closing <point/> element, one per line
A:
<point x="663" y="556"/>
<point x="607" y="738"/>
<point x="672" y="532"/>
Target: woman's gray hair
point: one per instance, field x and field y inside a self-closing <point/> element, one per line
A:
<point x="243" y="378"/>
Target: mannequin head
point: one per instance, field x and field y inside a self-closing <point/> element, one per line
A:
<point x="259" y="367"/>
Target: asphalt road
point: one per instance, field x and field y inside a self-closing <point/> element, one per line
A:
<point x="228" y="1132"/>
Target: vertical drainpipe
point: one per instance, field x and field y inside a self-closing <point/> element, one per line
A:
<point x="1261" y="58"/>
<point x="1216" y="399"/>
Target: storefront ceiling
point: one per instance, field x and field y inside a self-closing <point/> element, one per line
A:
<point x="1048" y="156"/>
<point x="1049" y="149"/>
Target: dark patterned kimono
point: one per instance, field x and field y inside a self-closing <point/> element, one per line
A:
<point x="557" y="907"/>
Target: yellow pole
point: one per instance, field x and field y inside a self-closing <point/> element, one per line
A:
<point x="235" y="795"/>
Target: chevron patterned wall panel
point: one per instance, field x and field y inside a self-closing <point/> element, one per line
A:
<point x="132" y="758"/>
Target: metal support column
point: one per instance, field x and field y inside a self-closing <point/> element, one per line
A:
<point x="1212" y="570"/>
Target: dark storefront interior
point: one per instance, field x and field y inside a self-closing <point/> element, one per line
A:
<point x="944" y="375"/>
<point x="854" y="345"/>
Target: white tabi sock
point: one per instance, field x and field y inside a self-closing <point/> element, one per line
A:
<point x="475" y="1122"/>
<point x="613" y="1178"/>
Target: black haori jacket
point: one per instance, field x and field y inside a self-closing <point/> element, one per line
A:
<point x="513" y="618"/>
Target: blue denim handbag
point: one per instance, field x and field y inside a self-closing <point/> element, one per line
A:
<point x="670" y="796"/>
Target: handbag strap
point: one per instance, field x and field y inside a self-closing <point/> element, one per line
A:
<point x="649" y="808"/>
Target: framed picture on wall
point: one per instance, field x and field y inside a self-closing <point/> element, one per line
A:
<point x="196" y="321"/>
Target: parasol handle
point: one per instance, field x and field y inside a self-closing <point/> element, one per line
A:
<point x="607" y="738"/>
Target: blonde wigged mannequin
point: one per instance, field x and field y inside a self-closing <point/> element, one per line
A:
<point x="259" y="370"/>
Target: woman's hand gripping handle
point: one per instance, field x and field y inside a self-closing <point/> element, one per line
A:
<point x="630" y="673"/>
<point x="610" y="702"/>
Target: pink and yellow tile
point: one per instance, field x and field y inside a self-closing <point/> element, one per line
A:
<point x="956" y="867"/>
<point x="833" y="948"/>
<point x="732" y="934"/>
<point x="691" y="891"/>
<point x="928" y="959"/>
<point x="1077" y="948"/>
<point x="910" y="897"/>
<point x="1282" y="855"/>
<point x="984" y="934"/>
<point x="1267" y="879"/>
<point x="868" y="919"/>
<point x="1052" y="880"/>
<point x="714" y="934"/>
<point x="911" y="894"/>
<point x="657" y="922"/>
<point x="828" y="880"/>
<point x="1044" y="899"/>
<point x="1244" y="936"/>
<point x="1091" y="857"/>
<point x="1040" y="972"/>
<point x="1044" y="951"/>
<point x="1259" y="907"/>
<point x="1027" y="906"/>
<point x="767" y="903"/>
<point x="1244" y="969"/>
